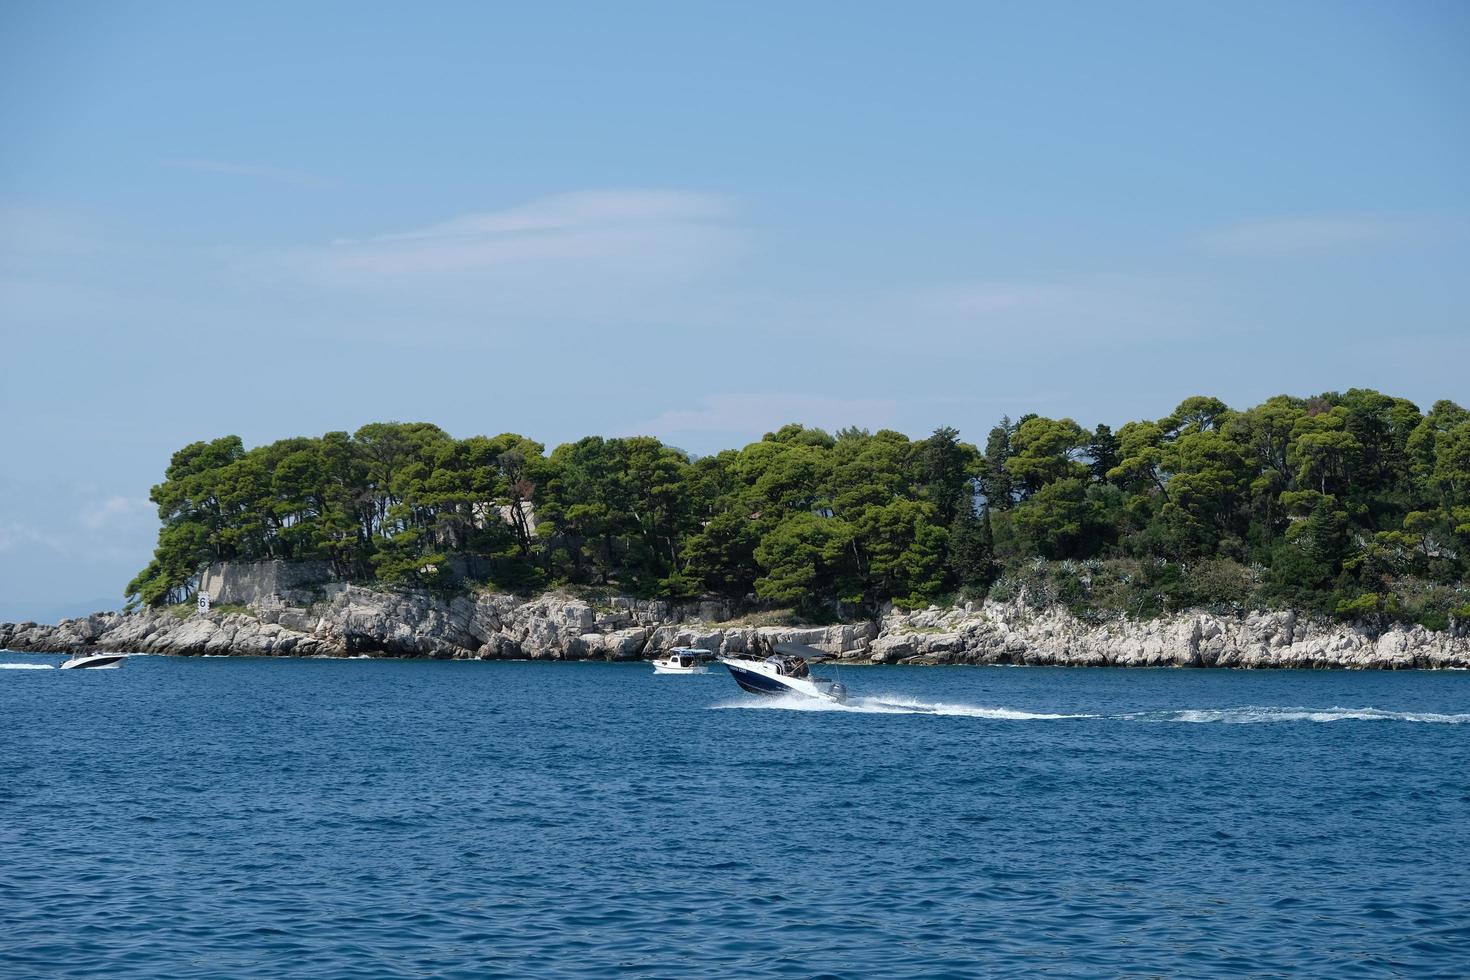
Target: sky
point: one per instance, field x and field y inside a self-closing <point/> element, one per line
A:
<point x="697" y="221"/>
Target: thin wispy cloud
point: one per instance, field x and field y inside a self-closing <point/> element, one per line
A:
<point x="106" y="527"/>
<point x="610" y="258"/>
<point x="15" y="535"/>
<point x="116" y="511"/>
<point x="568" y="212"/>
<point x="650" y="234"/>
<point x="1022" y="313"/>
<point x="276" y="174"/>
<point x="1315" y="234"/>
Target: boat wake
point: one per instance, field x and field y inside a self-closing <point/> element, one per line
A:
<point x="889" y="706"/>
<point x="1251" y="715"/>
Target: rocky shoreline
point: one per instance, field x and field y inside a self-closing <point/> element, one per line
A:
<point x="351" y="620"/>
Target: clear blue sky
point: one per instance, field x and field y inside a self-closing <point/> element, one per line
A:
<point x="696" y="221"/>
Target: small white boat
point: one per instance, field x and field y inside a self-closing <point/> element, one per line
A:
<point x="683" y="660"/>
<point x="784" y="672"/>
<point x="80" y="660"/>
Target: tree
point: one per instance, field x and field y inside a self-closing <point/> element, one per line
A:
<point x="946" y="466"/>
<point x="1102" y="450"/>
<point x="720" y="556"/>
<point x="804" y="562"/>
<point x="657" y="479"/>
<point x="1198" y="413"/>
<point x="522" y="467"/>
<point x="1207" y="481"/>
<point x="1450" y="479"/>
<point x="870" y="471"/>
<point x="584" y="506"/>
<point x="1314" y="551"/>
<point x="1140" y="469"/>
<point x="996" y="485"/>
<point x="1045" y="450"/>
<point x="1266" y="431"/>
<point x="1323" y="451"/>
<point x="904" y="552"/>
<point x="1061" y="520"/>
<point x="972" y="550"/>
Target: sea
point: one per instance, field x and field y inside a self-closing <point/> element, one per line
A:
<point x="238" y="817"/>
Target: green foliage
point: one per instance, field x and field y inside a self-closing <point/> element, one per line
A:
<point x="972" y="562"/>
<point x="1353" y="503"/>
<point x="994" y="481"/>
<point x="1365" y="604"/>
<point x="1098" y="590"/>
<point x="805" y="558"/>
<point x="1045" y="450"/>
<point x="946" y="467"/>
<point x="1061" y="520"/>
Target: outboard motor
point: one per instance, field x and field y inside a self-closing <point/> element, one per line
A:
<point x="838" y="690"/>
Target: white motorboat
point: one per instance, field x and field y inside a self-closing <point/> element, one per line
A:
<point x="683" y="660"/>
<point x="80" y="660"/>
<point x="785" y="672"/>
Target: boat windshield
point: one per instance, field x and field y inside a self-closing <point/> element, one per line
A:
<point x="789" y="666"/>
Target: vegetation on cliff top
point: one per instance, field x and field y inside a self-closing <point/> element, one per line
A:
<point x="1351" y="503"/>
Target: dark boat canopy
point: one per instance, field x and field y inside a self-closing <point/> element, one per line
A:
<point x="800" y="650"/>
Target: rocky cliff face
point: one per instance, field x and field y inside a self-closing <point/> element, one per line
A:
<point x="351" y="620"/>
<point x="992" y="633"/>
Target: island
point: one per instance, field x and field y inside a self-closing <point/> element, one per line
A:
<point x="1327" y="531"/>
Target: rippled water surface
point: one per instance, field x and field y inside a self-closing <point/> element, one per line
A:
<point x="231" y="817"/>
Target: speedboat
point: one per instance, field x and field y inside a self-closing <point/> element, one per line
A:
<point x="683" y="660"/>
<point x="786" y="671"/>
<point x="80" y="660"/>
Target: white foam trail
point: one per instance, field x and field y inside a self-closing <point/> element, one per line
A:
<point x="1256" y="715"/>
<point x="898" y="705"/>
<point x="27" y="666"/>
<point x="1250" y="715"/>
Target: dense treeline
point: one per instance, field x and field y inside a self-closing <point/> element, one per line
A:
<point x="1355" y="503"/>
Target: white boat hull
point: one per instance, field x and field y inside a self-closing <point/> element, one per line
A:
<point x="95" y="661"/>
<point x="759" y="677"/>
<point x="682" y="660"/>
<point x="661" y="668"/>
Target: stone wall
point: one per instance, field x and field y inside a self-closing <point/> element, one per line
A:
<point x="250" y="583"/>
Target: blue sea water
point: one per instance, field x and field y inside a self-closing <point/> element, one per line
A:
<point x="313" y="818"/>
